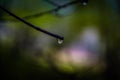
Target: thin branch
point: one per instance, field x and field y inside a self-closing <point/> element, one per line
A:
<point x="53" y="10"/>
<point x="31" y="25"/>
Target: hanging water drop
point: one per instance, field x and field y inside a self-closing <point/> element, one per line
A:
<point x="60" y="41"/>
<point x="84" y="3"/>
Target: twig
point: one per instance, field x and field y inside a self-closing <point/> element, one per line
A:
<point x="53" y="10"/>
<point x="31" y="25"/>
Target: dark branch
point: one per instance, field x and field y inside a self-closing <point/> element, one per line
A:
<point x="31" y="25"/>
<point x="53" y="10"/>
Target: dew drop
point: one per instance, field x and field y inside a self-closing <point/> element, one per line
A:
<point x="84" y="3"/>
<point x="60" y="41"/>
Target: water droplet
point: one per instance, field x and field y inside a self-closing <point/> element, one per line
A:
<point x="84" y="3"/>
<point x="60" y="41"/>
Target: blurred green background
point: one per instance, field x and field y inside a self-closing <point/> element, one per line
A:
<point x="90" y="50"/>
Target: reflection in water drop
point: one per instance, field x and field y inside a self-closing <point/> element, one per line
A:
<point x="60" y="41"/>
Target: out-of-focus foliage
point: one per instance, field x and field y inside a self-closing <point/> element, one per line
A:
<point x="90" y="49"/>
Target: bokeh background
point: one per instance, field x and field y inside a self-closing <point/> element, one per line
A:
<point x="90" y="50"/>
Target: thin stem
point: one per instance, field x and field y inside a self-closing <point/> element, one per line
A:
<point x="31" y="25"/>
<point x="52" y="10"/>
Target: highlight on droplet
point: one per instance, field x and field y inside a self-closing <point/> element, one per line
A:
<point x="60" y="41"/>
